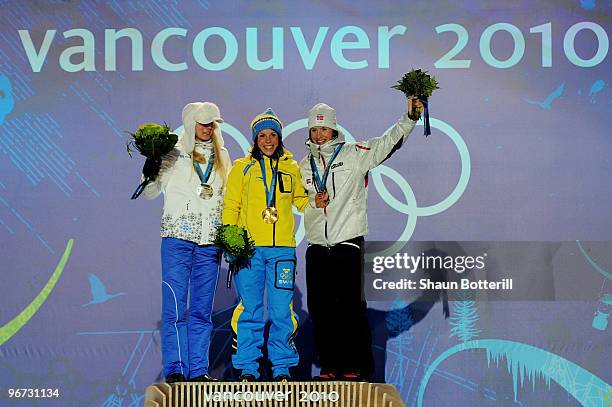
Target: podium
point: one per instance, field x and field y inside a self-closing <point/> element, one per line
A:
<point x="291" y="394"/>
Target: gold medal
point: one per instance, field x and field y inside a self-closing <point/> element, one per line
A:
<point x="270" y="215"/>
<point x="205" y="191"/>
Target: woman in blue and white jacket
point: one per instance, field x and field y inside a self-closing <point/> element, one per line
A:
<point x="192" y="178"/>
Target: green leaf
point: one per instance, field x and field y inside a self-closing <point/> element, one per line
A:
<point x="417" y="83"/>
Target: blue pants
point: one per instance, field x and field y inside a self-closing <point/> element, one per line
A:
<point x="187" y="268"/>
<point x="272" y="269"/>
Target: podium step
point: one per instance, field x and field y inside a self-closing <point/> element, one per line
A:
<point x="292" y="394"/>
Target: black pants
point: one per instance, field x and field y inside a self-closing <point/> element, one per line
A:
<point x="337" y="308"/>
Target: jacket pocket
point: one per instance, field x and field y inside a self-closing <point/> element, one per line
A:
<point x="340" y="181"/>
<point x="285" y="183"/>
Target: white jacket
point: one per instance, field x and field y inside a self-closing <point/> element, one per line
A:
<point x="187" y="216"/>
<point x="346" y="214"/>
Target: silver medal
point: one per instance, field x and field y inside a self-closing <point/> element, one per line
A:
<point x="205" y="191"/>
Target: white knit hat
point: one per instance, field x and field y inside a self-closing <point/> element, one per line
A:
<point x="322" y="115"/>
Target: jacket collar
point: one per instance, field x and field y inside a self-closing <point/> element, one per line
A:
<point x="203" y="146"/>
<point x="287" y="155"/>
<point x="325" y="149"/>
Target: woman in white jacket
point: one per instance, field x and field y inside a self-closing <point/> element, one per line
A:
<point x="335" y="175"/>
<point x="192" y="178"/>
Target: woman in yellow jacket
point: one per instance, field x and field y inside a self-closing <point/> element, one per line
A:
<point x="261" y="190"/>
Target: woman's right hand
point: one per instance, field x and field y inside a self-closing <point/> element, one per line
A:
<point x="151" y="168"/>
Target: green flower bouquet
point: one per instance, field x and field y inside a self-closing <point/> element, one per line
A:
<point x="153" y="141"/>
<point x="420" y="84"/>
<point x="238" y="247"/>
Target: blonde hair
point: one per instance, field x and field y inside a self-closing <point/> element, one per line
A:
<point x="218" y="163"/>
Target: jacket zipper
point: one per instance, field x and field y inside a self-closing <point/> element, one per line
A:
<point x="334" y="183"/>
<point x="334" y="187"/>
<point x="273" y="204"/>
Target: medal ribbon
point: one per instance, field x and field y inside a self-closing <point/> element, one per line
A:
<point x="426" y="128"/>
<point x="269" y="192"/>
<point x="320" y="185"/>
<point x="205" y="176"/>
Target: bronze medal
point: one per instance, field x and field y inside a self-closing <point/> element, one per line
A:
<point x="324" y="196"/>
<point x="270" y="215"/>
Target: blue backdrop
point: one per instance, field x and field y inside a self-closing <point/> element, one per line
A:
<point x="520" y="150"/>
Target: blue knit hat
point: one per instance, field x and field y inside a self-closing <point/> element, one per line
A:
<point x="266" y="120"/>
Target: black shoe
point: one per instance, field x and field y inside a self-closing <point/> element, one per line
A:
<point x="282" y="378"/>
<point x="245" y="378"/>
<point x="205" y="378"/>
<point x="175" y="378"/>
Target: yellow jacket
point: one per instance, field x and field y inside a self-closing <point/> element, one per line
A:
<point x="245" y="199"/>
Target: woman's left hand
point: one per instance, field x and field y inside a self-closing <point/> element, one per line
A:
<point x="230" y="258"/>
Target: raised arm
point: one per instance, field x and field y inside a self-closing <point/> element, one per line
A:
<point x="378" y="149"/>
